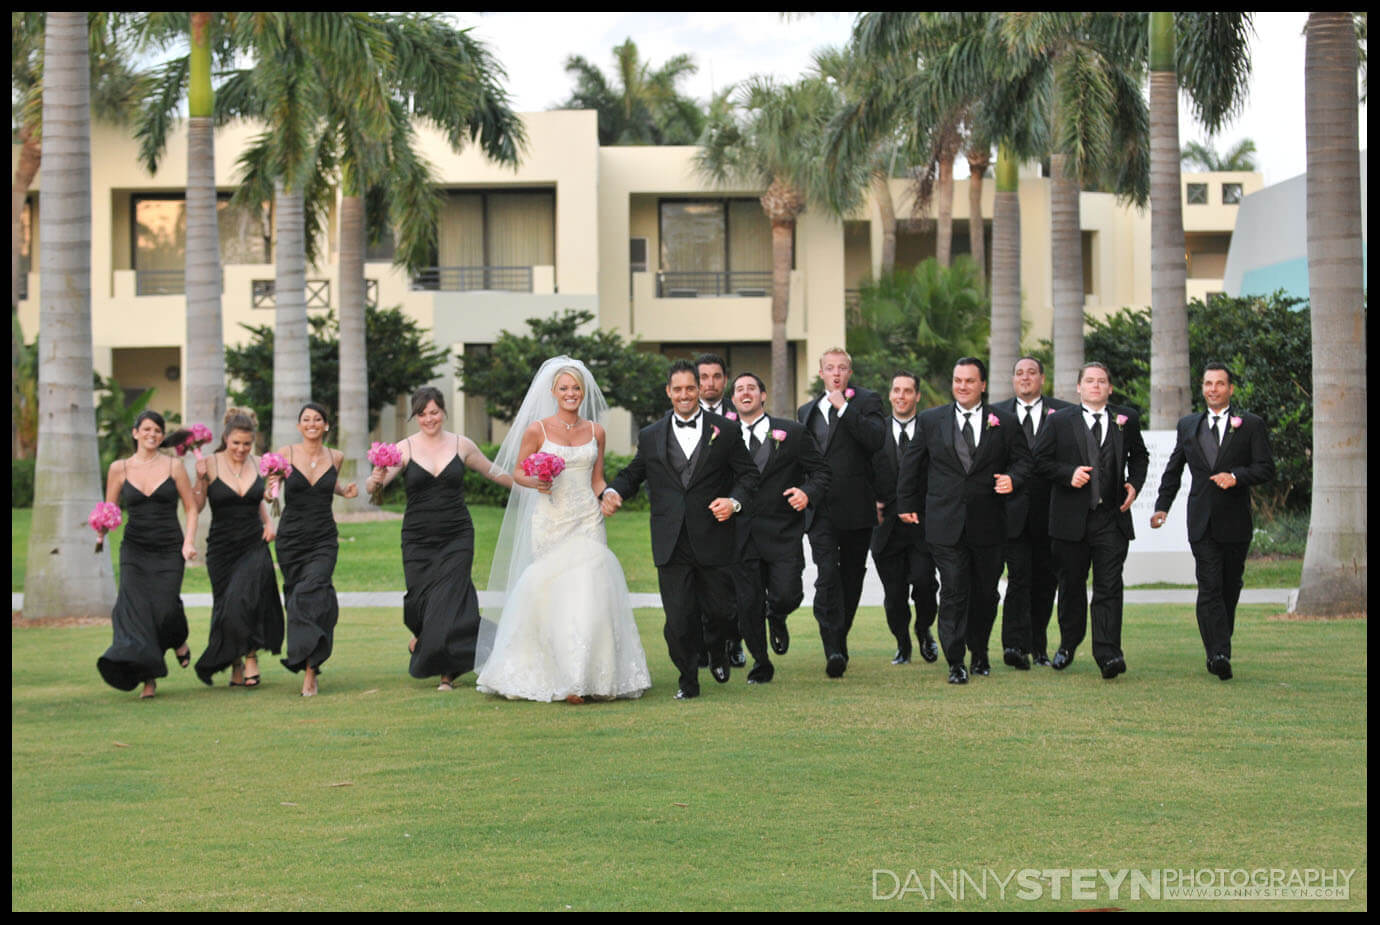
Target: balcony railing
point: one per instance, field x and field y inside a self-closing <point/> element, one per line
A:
<point x="691" y="284"/>
<point x="473" y="279"/>
<point x="263" y="293"/>
<point x="160" y="282"/>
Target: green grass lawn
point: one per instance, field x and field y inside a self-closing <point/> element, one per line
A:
<point x="383" y="793"/>
<point x="371" y="557"/>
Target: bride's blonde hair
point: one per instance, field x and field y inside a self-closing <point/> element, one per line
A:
<point x="573" y="373"/>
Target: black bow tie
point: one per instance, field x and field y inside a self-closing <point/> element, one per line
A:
<point x="693" y="422"/>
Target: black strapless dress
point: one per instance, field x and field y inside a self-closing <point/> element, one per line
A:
<point x="246" y="614"/>
<point x="148" y="618"/>
<point x="441" y="607"/>
<point x="307" y="546"/>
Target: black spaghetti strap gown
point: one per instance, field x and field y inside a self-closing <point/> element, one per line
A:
<point x="307" y="546"/>
<point x="148" y="618"/>
<point x="441" y="607"/>
<point x="246" y="614"/>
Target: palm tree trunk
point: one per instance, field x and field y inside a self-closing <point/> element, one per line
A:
<point x="944" y="207"/>
<point x="1170" y="397"/>
<point x="353" y="416"/>
<point x="204" y="363"/>
<point x="291" y="348"/>
<point x="1334" y="562"/>
<point x="66" y="577"/>
<point x="1066" y="271"/>
<point x="1006" y="276"/>
<point x="782" y="238"/>
<point x="978" y="159"/>
<point x="881" y="191"/>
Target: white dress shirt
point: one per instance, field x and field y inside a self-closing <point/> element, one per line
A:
<point x="687" y="437"/>
<point x="975" y="419"/>
<point x="761" y="426"/>
<point x="898" y="425"/>
<point x="1036" y="413"/>
<point x="1106" y="419"/>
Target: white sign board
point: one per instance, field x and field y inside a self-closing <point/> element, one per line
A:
<point x="1163" y="554"/>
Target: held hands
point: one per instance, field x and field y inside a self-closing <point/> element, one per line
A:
<point x="610" y="502"/>
<point x="1224" y="480"/>
<point x="189" y="549"/>
<point x="1081" y="476"/>
<point x="721" y="508"/>
<point x="1130" y="496"/>
<point x="1157" y="519"/>
<point x="1004" y="485"/>
<point x="799" y="501"/>
<point x="910" y="518"/>
<point x="880" y="507"/>
<point x="269" y="532"/>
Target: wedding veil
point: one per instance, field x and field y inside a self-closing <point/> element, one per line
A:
<point x="513" y="551"/>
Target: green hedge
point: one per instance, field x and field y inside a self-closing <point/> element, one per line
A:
<point x="21" y="483"/>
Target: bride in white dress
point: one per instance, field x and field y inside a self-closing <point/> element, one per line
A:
<point x="565" y="629"/>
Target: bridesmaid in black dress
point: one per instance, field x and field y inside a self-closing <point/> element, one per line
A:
<point x="441" y="607"/>
<point x="307" y="545"/>
<point x="148" y="618"/>
<point x="246" y="614"/>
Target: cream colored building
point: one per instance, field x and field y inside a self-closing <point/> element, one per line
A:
<point x="631" y="234"/>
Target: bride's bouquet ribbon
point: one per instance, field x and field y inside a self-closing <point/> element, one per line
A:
<point x="544" y="466"/>
<point x="273" y="464"/>
<point x="104" y="518"/>
<point x="383" y="456"/>
<point x="199" y="436"/>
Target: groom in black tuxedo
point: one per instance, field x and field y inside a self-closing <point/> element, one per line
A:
<point x="769" y="552"/>
<point x="698" y="475"/>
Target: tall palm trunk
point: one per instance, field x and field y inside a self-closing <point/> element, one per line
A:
<point x="782" y="204"/>
<point x="291" y="348"/>
<point x="1006" y="275"/>
<point x="978" y="159"/>
<point x="66" y="578"/>
<point x="881" y="191"/>
<point x="1334" y="563"/>
<point x="1169" y="376"/>
<point x="353" y="415"/>
<point x="944" y="202"/>
<point x="1066" y="272"/>
<point x="204" y="363"/>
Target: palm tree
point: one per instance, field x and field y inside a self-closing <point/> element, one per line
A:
<point x="1334" y="563"/>
<point x="1206" y="55"/>
<point x="1006" y="275"/>
<point x="65" y="577"/>
<point x="641" y="106"/>
<point x="773" y="142"/>
<point x="1239" y="157"/>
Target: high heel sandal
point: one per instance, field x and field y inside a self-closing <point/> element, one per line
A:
<point x="184" y="658"/>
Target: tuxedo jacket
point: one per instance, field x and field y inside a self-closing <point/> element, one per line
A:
<point x="851" y="502"/>
<point x="1028" y="509"/>
<point x="719" y="468"/>
<point x="768" y="521"/>
<point x="886" y="467"/>
<point x="1062" y="446"/>
<point x="958" y="503"/>
<point x="1225" y="516"/>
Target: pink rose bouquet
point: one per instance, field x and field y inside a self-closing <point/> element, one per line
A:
<point x="383" y="456"/>
<point x="104" y="518"/>
<point x="199" y="435"/>
<point x="544" y="466"/>
<point x="271" y="464"/>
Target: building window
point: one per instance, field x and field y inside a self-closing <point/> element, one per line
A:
<point x="1231" y="194"/>
<point x="159" y="239"/>
<point x="712" y="247"/>
<point x="1197" y="194"/>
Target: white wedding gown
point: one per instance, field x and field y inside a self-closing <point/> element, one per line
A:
<point x="567" y="625"/>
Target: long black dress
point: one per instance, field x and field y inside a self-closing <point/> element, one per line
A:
<point x="307" y="546"/>
<point x="441" y="607"/>
<point x="148" y="618"/>
<point x="246" y="614"/>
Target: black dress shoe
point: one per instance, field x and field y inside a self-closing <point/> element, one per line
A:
<point x="900" y="658"/>
<point x="958" y="674"/>
<point x="1062" y="659"/>
<point x="1114" y="667"/>
<point x="1041" y="659"/>
<point x="929" y="649"/>
<point x="982" y="667"/>
<point x="780" y="636"/>
<point x="683" y="694"/>
<point x="761" y="673"/>
<point x="836" y="665"/>
<point x="1016" y="659"/>
<point x="736" y="658"/>
<point x="719" y="672"/>
<point x="1220" y="665"/>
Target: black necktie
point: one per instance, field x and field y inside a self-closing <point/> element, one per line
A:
<point x="904" y="442"/>
<point x="1097" y="428"/>
<point x="1216" y="431"/>
<point x="1028" y="424"/>
<point x="833" y="415"/>
<point x="753" y="442"/>
<point x="1096" y="497"/>
<point x="690" y="423"/>
<point x="968" y="431"/>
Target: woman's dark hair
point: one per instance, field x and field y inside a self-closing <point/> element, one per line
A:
<point x="238" y="419"/>
<point x="156" y="418"/>
<point x="425" y="396"/>
<point x="318" y="408"/>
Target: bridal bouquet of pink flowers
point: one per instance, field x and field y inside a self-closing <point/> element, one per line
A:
<point x="104" y="518"/>
<point x="383" y="456"/>
<point x="544" y="466"/>
<point x="270" y="464"/>
<point x="199" y="435"/>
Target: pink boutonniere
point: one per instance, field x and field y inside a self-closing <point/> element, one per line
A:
<point x="730" y="415"/>
<point x="715" y="435"/>
<point x="848" y="393"/>
<point x="1121" y="420"/>
<point x="992" y="421"/>
<point x="1235" y="422"/>
<point x="1048" y="412"/>
<point x="778" y="435"/>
